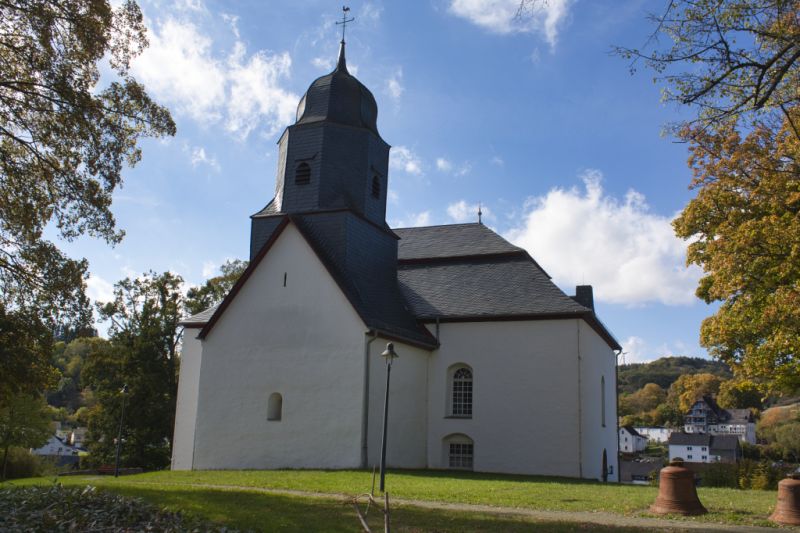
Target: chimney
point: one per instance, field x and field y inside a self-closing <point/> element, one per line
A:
<point x="583" y="295"/>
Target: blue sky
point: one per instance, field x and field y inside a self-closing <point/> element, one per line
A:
<point x="533" y="118"/>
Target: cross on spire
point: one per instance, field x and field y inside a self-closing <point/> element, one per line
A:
<point x="345" y="20"/>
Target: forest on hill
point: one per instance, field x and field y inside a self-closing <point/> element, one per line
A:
<point x="665" y="371"/>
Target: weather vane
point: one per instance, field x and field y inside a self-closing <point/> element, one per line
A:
<point x="345" y="20"/>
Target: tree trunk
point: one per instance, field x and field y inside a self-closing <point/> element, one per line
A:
<point x="5" y="461"/>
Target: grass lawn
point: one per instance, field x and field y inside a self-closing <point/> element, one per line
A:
<point x="269" y="512"/>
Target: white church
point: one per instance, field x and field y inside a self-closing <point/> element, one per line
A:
<point x="498" y="369"/>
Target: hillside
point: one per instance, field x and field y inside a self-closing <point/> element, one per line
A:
<point x="666" y="370"/>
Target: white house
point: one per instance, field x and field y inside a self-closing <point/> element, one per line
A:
<point x="630" y="441"/>
<point x="705" y="416"/>
<point x="55" y="446"/>
<point x="498" y="369"/>
<point x="704" y="448"/>
<point x="654" y="433"/>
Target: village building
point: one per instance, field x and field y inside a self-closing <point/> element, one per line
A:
<point x="704" y="448"/>
<point x="498" y="369"/>
<point x="706" y="416"/>
<point x="630" y="441"/>
<point x="58" y="451"/>
<point x="654" y="433"/>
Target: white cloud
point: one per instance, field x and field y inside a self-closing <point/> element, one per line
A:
<point x="446" y="166"/>
<point x="634" y="350"/>
<point x="323" y="63"/>
<point x="255" y="94"/>
<point x="498" y="161"/>
<point x="199" y="157"/>
<point x="402" y="158"/>
<point x="393" y="197"/>
<point x="184" y="70"/>
<point x="209" y="269"/>
<point x="421" y="219"/>
<point x="461" y="211"/>
<point x="629" y="254"/>
<point x="500" y="16"/>
<point x="98" y="289"/>
<point x="394" y="86"/>
<point x="464" y="169"/>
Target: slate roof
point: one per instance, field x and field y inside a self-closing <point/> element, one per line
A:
<point x="690" y="439"/>
<point x="454" y="240"/>
<point x="468" y="272"/>
<point x="460" y="272"/>
<point x="724" y="442"/>
<point x="200" y="318"/>
<point x="632" y="431"/>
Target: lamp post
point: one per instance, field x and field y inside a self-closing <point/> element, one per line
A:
<point x="390" y="355"/>
<point x="123" y="392"/>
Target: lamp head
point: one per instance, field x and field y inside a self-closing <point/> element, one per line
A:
<point x="389" y="354"/>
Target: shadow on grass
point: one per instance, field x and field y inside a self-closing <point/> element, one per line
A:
<point x="268" y="512"/>
<point x="480" y="476"/>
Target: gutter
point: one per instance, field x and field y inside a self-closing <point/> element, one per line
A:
<point x="580" y="407"/>
<point x="365" y="398"/>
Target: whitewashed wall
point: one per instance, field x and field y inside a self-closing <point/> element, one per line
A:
<point x="406" y="442"/>
<point x="525" y="416"/>
<point x="597" y="361"/>
<point x="691" y="454"/>
<point x="186" y="409"/>
<point x="303" y="341"/>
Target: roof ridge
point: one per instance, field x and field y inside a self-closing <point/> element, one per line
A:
<point x="443" y="225"/>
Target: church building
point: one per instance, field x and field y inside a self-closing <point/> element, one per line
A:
<point x="498" y="370"/>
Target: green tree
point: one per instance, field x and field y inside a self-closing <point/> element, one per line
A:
<point x="25" y="422"/>
<point x="744" y="226"/>
<point x="728" y="59"/>
<point x="214" y="290"/>
<point x="25" y="347"/>
<point x="64" y="140"/>
<point x="737" y="63"/>
<point x="689" y="388"/>
<point x="142" y="354"/>
<point x="739" y="394"/>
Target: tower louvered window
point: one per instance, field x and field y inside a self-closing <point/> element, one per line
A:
<point x="376" y="187"/>
<point x="302" y="175"/>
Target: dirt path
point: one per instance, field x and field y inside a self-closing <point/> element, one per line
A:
<point x="584" y="517"/>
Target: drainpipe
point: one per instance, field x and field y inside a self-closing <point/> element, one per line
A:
<point x="580" y="407"/>
<point x="617" y="353"/>
<point x="365" y="398"/>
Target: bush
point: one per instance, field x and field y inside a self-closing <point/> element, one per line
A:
<point x="22" y="463"/>
<point x="56" y="508"/>
<point x="721" y="475"/>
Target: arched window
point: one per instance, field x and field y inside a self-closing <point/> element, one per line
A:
<point x="302" y="175"/>
<point x="461" y="392"/>
<point x="275" y="406"/>
<point x="376" y="186"/>
<point x="459" y="451"/>
<point x="603" y="400"/>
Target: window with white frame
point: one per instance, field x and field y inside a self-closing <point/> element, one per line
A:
<point x="459" y="451"/>
<point x="461" y="393"/>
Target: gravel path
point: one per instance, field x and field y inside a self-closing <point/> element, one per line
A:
<point x="584" y="517"/>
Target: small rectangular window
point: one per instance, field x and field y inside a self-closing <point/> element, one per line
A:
<point x="460" y="455"/>
<point x="688" y="456"/>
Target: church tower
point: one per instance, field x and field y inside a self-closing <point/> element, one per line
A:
<point x="332" y="182"/>
<point x="332" y="158"/>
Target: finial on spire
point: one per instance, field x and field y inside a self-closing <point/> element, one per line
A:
<point x="480" y="213"/>
<point x="342" y="64"/>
